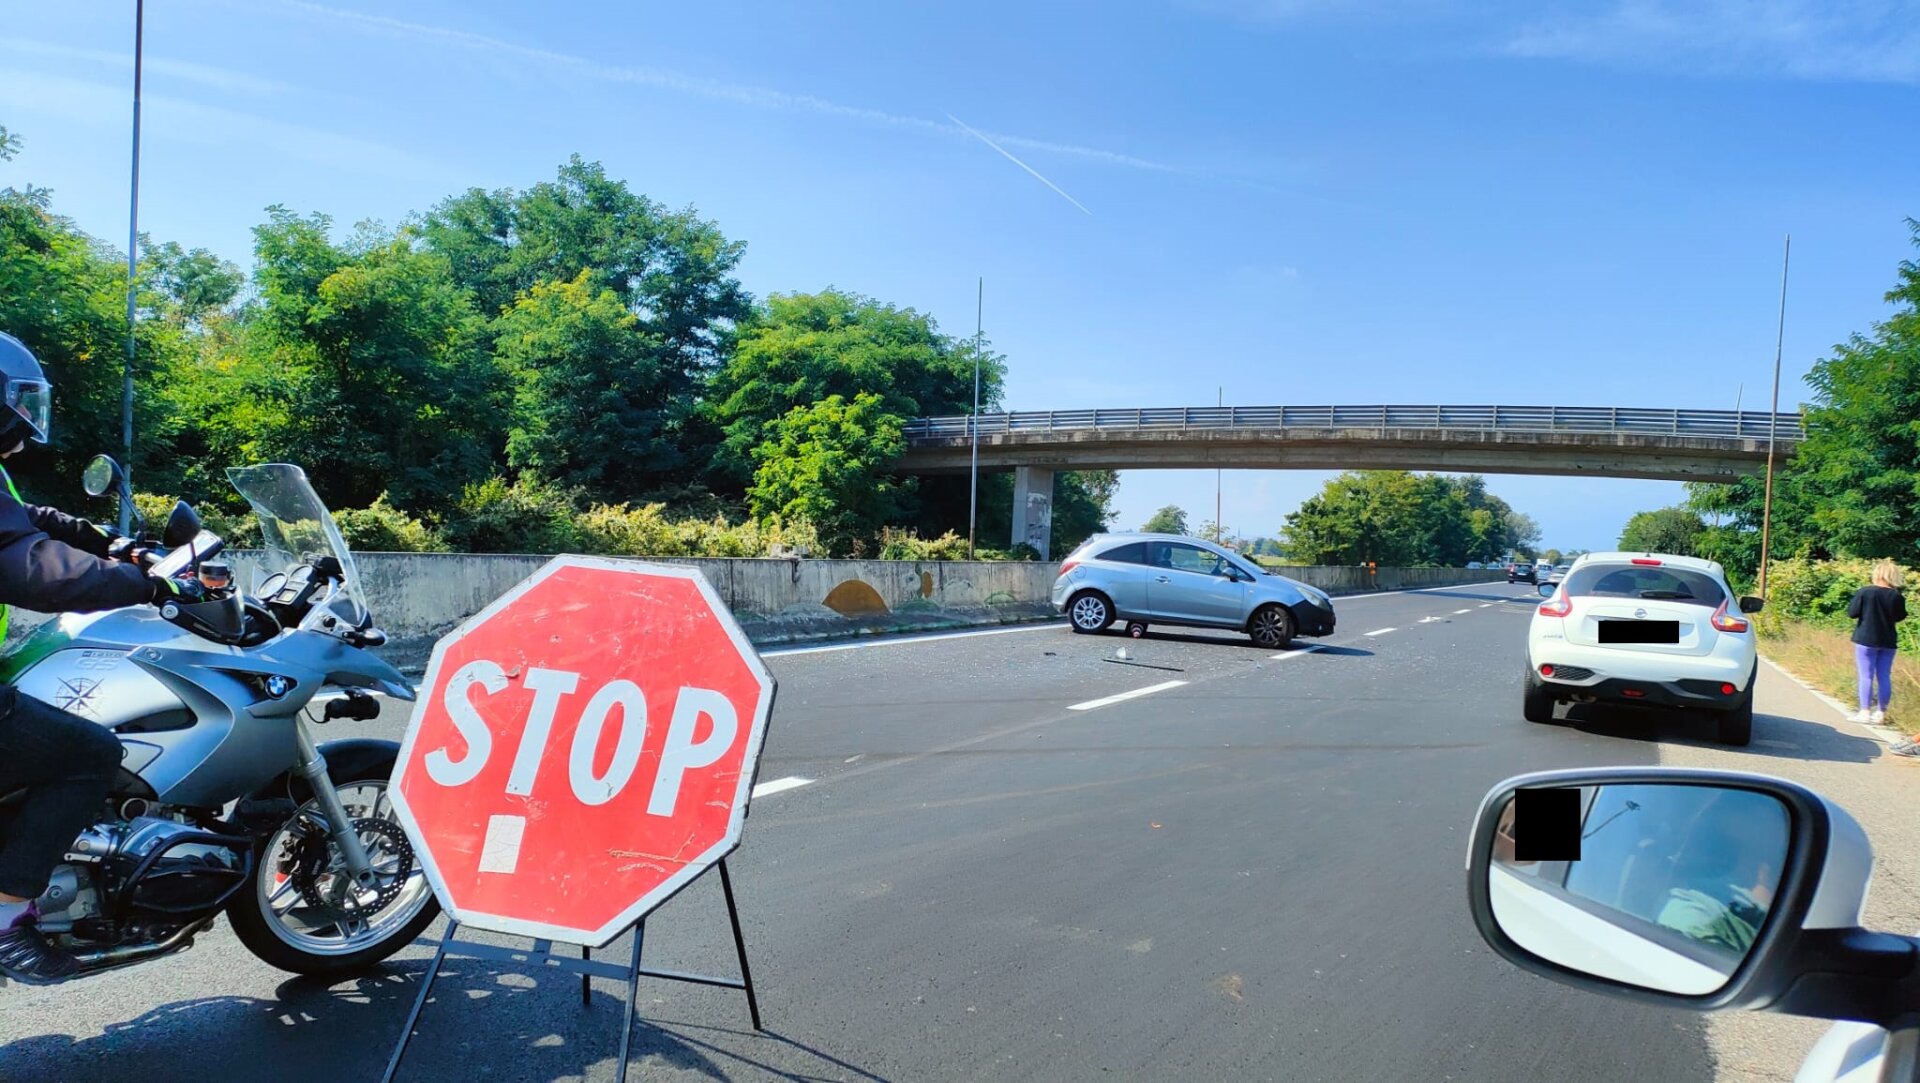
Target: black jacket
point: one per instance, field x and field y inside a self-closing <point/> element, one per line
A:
<point x="51" y="562"/>
<point x="1876" y="610"/>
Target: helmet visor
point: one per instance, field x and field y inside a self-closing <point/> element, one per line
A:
<point x="33" y="401"/>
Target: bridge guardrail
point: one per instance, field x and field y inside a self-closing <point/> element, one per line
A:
<point x="1592" y="419"/>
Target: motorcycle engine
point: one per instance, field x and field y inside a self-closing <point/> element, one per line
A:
<point x="146" y="865"/>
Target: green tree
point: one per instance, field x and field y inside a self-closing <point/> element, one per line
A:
<point x="365" y="365"/>
<point x="194" y="281"/>
<point x="63" y="294"/>
<point x="1171" y="519"/>
<point x="1551" y="556"/>
<point x="1673" y="530"/>
<point x="673" y="270"/>
<point x="1396" y="517"/>
<point x="827" y="464"/>
<point x="593" y="397"/>
<point x="1082" y="506"/>
<point x="800" y="349"/>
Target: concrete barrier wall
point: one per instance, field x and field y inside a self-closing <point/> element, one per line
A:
<point x="417" y="597"/>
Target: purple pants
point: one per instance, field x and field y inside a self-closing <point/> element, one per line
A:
<point x="1875" y="664"/>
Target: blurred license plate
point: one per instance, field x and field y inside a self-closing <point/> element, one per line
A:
<point x="1639" y="631"/>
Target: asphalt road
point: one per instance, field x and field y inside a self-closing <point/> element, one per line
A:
<point x="1255" y="874"/>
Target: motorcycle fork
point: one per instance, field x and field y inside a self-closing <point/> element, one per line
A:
<point x="313" y="766"/>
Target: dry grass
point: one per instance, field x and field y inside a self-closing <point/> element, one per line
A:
<point x="1823" y="658"/>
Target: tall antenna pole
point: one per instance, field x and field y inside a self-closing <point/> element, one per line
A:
<point x="133" y="255"/>
<point x="1773" y="422"/>
<point x="973" y="423"/>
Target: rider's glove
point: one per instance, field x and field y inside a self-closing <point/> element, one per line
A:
<point x="123" y="549"/>
<point x="177" y="590"/>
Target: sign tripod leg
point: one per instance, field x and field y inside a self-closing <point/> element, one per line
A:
<point x="541" y="956"/>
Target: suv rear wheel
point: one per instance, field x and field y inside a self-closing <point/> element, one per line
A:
<point x="1736" y="726"/>
<point x="1538" y="700"/>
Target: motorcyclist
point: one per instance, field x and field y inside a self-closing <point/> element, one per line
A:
<point x="55" y="767"/>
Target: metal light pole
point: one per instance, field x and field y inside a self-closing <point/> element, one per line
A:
<point x="133" y="255"/>
<point x="973" y="422"/>
<point x="1219" y="532"/>
<point x="1773" y="422"/>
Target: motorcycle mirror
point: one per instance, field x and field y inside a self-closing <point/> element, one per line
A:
<point x="183" y="525"/>
<point x="100" y="475"/>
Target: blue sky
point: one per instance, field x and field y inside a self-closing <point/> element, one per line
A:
<point x="1296" y="201"/>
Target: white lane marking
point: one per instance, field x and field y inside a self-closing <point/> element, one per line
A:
<point x="1297" y="651"/>
<point x="1484" y="605"/>
<point x="1135" y="694"/>
<point x="1417" y="590"/>
<point x="500" y="849"/>
<point x="1379" y="632"/>
<point x="892" y="641"/>
<point x="779" y="785"/>
<point x="1457" y="612"/>
<point x="1430" y="620"/>
<point x="855" y="758"/>
<point x="1887" y="734"/>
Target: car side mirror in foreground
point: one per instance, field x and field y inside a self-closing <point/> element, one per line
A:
<point x="1692" y="888"/>
<point x="1546" y="590"/>
<point x="1752" y="605"/>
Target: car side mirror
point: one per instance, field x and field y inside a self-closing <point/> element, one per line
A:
<point x="1546" y="590"/>
<point x="1751" y="604"/>
<point x="1683" y="887"/>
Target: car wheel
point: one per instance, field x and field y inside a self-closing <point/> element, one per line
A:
<point x="1736" y="726"/>
<point x="1271" y="627"/>
<point x="1537" y="702"/>
<point x="1090" y="612"/>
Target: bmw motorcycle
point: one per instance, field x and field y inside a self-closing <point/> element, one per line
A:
<point x="224" y="803"/>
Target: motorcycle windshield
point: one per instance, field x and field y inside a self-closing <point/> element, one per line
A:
<point x="296" y="528"/>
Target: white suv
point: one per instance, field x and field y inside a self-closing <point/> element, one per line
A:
<point x="1644" y="629"/>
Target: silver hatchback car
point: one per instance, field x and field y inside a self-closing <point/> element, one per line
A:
<point x="1168" y="579"/>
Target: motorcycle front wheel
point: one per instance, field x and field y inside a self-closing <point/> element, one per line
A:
<point x="303" y="913"/>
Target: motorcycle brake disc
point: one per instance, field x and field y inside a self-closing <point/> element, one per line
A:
<point x="312" y="860"/>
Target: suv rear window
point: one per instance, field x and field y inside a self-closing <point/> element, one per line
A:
<point x="1666" y="584"/>
<point x="1130" y="553"/>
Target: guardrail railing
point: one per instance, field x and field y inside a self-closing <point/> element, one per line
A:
<point x="1594" y="419"/>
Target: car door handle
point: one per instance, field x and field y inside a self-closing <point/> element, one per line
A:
<point x="1161" y="579"/>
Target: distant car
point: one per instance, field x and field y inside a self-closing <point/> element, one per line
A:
<point x="1521" y="571"/>
<point x="1542" y="571"/>
<point x="1646" y="629"/>
<point x="1474" y="565"/>
<point x="1169" y="579"/>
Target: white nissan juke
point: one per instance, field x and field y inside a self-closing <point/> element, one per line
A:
<point x="1648" y="630"/>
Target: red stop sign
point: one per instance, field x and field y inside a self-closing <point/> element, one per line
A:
<point x="582" y="748"/>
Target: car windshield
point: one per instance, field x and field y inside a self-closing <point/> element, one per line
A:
<point x="296" y="528"/>
<point x="1646" y="582"/>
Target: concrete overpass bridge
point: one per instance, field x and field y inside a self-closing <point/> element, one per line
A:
<point x="1596" y="441"/>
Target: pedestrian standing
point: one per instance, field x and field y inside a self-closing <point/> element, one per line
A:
<point x="1877" y="610"/>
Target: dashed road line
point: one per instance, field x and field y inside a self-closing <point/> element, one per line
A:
<point x="1379" y="631"/>
<point x="1488" y="605"/>
<point x="1297" y="651"/>
<point x="780" y="785"/>
<point x="1457" y="612"/>
<point x="1119" y="696"/>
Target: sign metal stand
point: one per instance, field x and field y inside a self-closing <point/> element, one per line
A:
<point x="541" y="956"/>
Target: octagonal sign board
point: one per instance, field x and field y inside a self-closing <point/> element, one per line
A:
<point x="582" y="748"/>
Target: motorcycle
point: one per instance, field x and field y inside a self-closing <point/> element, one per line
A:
<point x="223" y="802"/>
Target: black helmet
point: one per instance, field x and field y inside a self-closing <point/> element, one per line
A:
<point x="26" y="392"/>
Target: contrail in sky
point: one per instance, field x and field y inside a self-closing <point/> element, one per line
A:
<point x="1009" y="157"/>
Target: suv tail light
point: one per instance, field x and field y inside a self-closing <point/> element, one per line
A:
<point x="1557" y="606"/>
<point x="1727" y="622"/>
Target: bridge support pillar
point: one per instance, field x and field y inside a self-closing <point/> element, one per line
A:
<point x="1033" y="508"/>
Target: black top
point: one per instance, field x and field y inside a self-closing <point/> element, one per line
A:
<point x="52" y="562"/>
<point x="1875" y="610"/>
